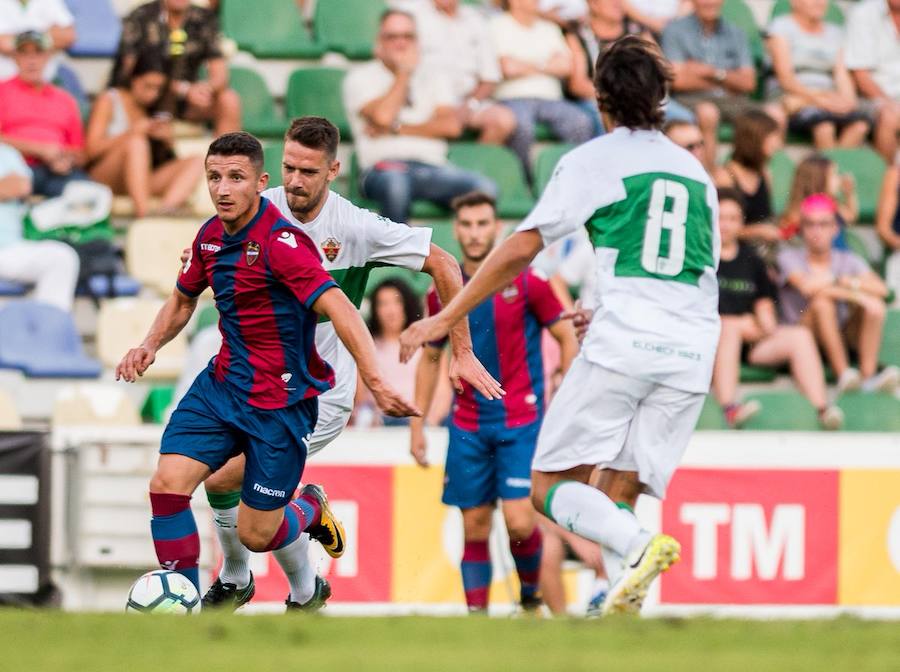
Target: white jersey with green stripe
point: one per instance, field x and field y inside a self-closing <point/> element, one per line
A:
<point x="651" y="211"/>
<point x="351" y="242"/>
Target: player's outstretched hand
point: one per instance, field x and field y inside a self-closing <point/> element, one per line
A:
<point x="390" y="402"/>
<point x="467" y="367"/>
<point x="581" y="319"/>
<point x="134" y="363"/>
<point x="418" y="334"/>
<point x="418" y="447"/>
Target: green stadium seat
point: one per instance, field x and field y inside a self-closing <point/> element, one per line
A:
<point x="545" y="163"/>
<point x="783" y="411"/>
<point x="317" y="92"/>
<point x="158" y="400"/>
<point x="272" y="152"/>
<point x="870" y="412"/>
<point x="782" y="169"/>
<point x="711" y="417"/>
<point x="252" y="26"/>
<point x="349" y="26"/>
<point x="868" y="168"/>
<point x="857" y="245"/>
<point x="833" y="15"/>
<point x="890" y="339"/>
<point x="442" y="236"/>
<point x="740" y="14"/>
<point x="757" y="374"/>
<point x="501" y="165"/>
<point x="259" y="115"/>
<point x="207" y="317"/>
<point x="420" y="282"/>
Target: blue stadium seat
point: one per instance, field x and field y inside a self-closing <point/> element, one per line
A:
<point x="41" y="341"/>
<point x="10" y="288"/>
<point x="97" y="27"/>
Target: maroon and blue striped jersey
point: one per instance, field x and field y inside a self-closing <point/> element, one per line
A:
<point x="506" y="337"/>
<point x="265" y="280"/>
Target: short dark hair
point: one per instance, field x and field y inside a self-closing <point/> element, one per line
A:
<point x="239" y="143"/>
<point x="412" y="306"/>
<point x="472" y="199"/>
<point x="148" y="61"/>
<point x="732" y="194"/>
<point x="632" y="80"/>
<point x="315" y="133"/>
<point x="750" y="131"/>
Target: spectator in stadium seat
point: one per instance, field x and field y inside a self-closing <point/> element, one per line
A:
<point x="817" y="174"/>
<point x="50" y="17"/>
<point x="394" y="306"/>
<point x="750" y="329"/>
<point x="887" y="223"/>
<point x="756" y="139"/>
<point x="187" y="38"/>
<point x="41" y="120"/>
<point x="836" y="295"/>
<point x="454" y="39"/>
<point x="50" y="265"/>
<point x="813" y="83"/>
<point x="402" y="113"/>
<point x="131" y="151"/>
<point x="713" y="67"/>
<point x="687" y="135"/>
<point x="536" y="61"/>
<point x="872" y="54"/>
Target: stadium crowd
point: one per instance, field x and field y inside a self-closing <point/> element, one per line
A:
<point x="513" y="74"/>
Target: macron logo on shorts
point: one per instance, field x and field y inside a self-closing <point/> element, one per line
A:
<point x="268" y="491"/>
<point x="518" y="482"/>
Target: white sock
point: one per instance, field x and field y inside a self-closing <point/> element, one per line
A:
<point x="294" y="560"/>
<point x="613" y="563"/>
<point x="236" y="565"/>
<point x="589" y="513"/>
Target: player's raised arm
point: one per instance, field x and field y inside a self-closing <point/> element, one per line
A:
<point x="354" y="334"/>
<point x="171" y="319"/>
<point x="464" y="365"/>
<point x="502" y="265"/>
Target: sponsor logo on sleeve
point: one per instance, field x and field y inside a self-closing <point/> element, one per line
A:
<point x="288" y="239"/>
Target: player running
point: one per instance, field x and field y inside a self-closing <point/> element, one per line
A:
<point x="631" y="399"/>
<point x="259" y="394"/>
<point x="351" y="241"/>
<point x="492" y="441"/>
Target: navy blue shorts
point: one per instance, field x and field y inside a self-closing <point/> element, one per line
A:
<point x="212" y="425"/>
<point x="490" y="464"/>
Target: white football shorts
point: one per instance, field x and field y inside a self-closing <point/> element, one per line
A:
<point x="614" y="421"/>
<point x="331" y="422"/>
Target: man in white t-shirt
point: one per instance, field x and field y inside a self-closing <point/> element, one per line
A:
<point x="535" y="61"/>
<point x="454" y="39"/>
<point x="631" y="399"/>
<point x="402" y="114"/>
<point x="351" y="241"/>
<point x="872" y="54"/>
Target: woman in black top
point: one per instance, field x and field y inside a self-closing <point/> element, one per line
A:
<point x="750" y="326"/>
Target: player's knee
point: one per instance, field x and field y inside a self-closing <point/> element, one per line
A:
<point x="520" y="529"/>
<point x="255" y="539"/>
<point x="164" y="482"/>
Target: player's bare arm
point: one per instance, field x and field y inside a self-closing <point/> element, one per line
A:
<point x="563" y="333"/>
<point x="352" y="331"/>
<point x="500" y="268"/>
<point x="427" y="373"/>
<point x="464" y="365"/>
<point x="171" y="319"/>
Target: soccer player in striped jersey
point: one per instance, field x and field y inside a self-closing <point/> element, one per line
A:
<point x="258" y="396"/>
<point x="492" y="440"/>
<point x="350" y="242"/>
<point x="631" y="399"/>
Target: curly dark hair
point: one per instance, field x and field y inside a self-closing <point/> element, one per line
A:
<point x="632" y="80"/>
<point x="412" y="306"/>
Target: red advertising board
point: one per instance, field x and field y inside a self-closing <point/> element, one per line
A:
<point x="752" y="537"/>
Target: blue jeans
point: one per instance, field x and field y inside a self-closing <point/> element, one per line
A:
<point x="45" y="182"/>
<point x="396" y="184"/>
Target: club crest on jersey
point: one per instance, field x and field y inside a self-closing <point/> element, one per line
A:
<point x="252" y="251"/>
<point x="331" y="248"/>
<point x="510" y="293"/>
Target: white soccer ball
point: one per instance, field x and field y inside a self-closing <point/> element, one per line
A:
<point x="163" y="592"/>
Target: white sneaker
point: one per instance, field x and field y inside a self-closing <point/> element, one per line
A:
<point x="849" y="381"/>
<point x="831" y="418"/>
<point x="886" y="381"/>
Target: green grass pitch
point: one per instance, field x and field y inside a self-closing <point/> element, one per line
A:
<point x="57" y="642"/>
